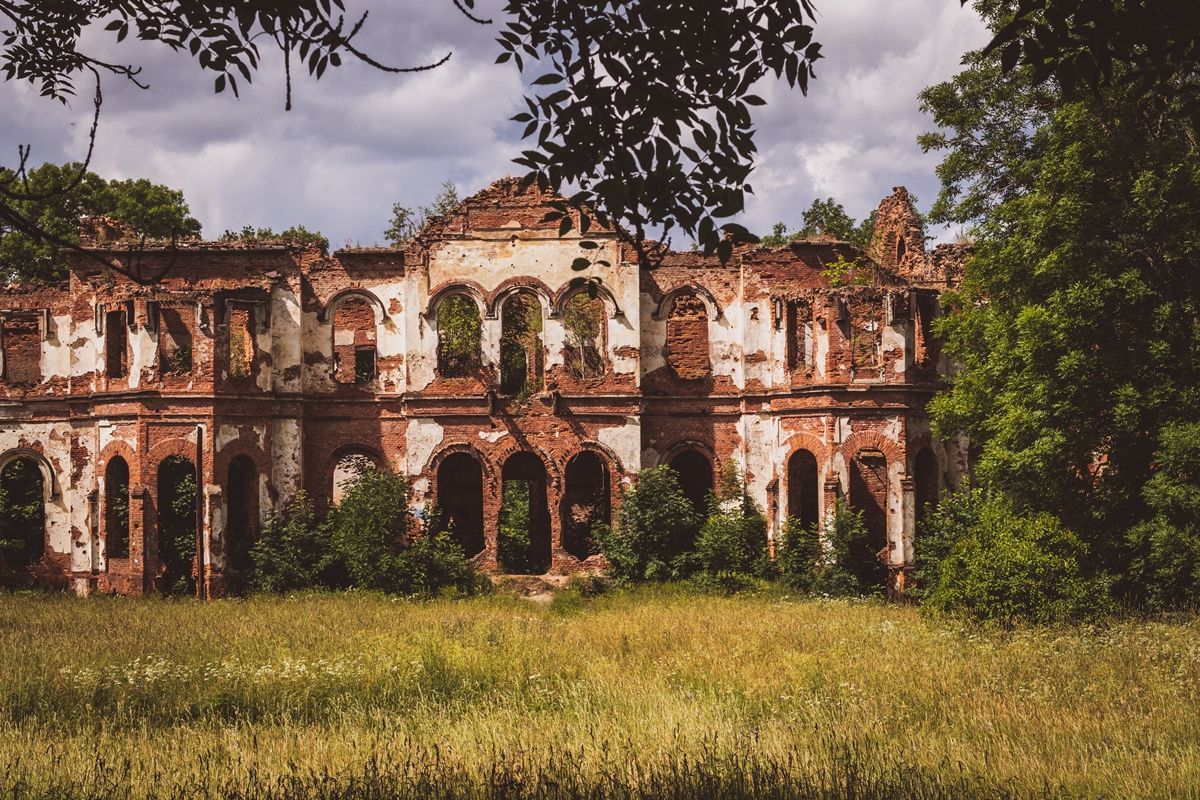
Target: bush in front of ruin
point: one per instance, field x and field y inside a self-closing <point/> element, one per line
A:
<point x="655" y="529"/>
<point x="368" y="541"/>
<point x="833" y="559"/>
<point x="731" y="547"/>
<point x="982" y="558"/>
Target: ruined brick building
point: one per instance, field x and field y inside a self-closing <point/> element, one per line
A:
<point x="477" y="355"/>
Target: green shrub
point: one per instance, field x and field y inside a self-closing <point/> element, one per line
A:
<point x="990" y="562"/>
<point x="293" y="550"/>
<point x="375" y="547"/>
<point x="653" y="536"/>
<point x="1164" y="552"/>
<point x="733" y="539"/>
<point x="798" y="555"/>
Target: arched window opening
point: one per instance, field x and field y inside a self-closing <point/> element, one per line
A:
<point x="521" y="351"/>
<point x="346" y="471"/>
<point x="583" y="320"/>
<point x="176" y="508"/>
<point x="174" y="343"/>
<point x="460" y="500"/>
<point x="687" y="338"/>
<point x="803" y="494"/>
<point x="354" y="340"/>
<point x="901" y="249"/>
<point x="22" y="514"/>
<point x="524" y="540"/>
<point x="242" y="516"/>
<point x="925" y="484"/>
<point x="586" y="503"/>
<point x="116" y="508"/>
<point x="868" y="494"/>
<point x="458" y="337"/>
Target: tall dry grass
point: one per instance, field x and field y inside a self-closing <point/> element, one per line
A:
<point x="658" y="692"/>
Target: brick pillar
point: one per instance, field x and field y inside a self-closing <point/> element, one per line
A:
<point x="559" y="557"/>
<point x="143" y="550"/>
<point x="215" y="527"/>
<point x="489" y="559"/>
<point x="900" y="563"/>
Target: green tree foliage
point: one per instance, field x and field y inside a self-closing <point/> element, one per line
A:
<point x="646" y="108"/>
<point x="56" y="196"/>
<point x="1076" y="326"/>
<point x="177" y="526"/>
<point x="825" y="217"/>
<point x="521" y="346"/>
<point x="406" y="223"/>
<point x="293" y="550"/>
<point x="22" y="520"/>
<point x="513" y="540"/>
<point x="989" y="561"/>
<point x="654" y="531"/>
<point x="459" y="332"/>
<point x="1164" y="551"/>
<point x="297" y="235"/>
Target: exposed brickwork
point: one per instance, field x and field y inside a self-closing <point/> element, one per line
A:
<point x="250" y="361"/>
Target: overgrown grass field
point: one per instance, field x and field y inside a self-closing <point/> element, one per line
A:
<point x="649" y="693"/>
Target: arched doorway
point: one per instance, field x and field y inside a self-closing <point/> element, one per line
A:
<point x="868" y="494"/>
<point x="116" y="508"/>
<point x="695" y="473"/>
<point x="803" y="494"/>
<point x="346" y="471"/>
<point x="925" y="484"/>
<point x="242" y="518"/>
<point x="22" y="517"/>
<point x="586" y="503"/>
<point x="460" y="500"/>
<point x="524" y="540"/>
<point x="176" y="507"/>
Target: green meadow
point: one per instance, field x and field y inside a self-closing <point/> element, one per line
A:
<point x="659" y="692"/>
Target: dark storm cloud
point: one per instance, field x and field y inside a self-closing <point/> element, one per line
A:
<point x="359" y="140"/>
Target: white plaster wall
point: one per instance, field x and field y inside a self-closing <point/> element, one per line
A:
<point x="287" y="450"/>
<point x="625" y="441"/>
<point x="67" y="504"/>
<point x="287" y="340"/>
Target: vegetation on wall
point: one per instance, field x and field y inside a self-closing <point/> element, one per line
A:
<point x="56" y="196"/>
<point x="825" y="217"/>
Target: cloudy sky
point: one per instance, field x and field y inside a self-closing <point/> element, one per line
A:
<point x="360" y="140"/>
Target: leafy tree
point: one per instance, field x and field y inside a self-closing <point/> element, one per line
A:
<point x="655" y="526"/>
<point x="1076" y="326"/>
<point x="56" y="196"/>
<point x="513" y="540"/>
<point x="22" y="519"/>
<point x="833" y="558"/>
<point x="644" y="108"/>
<point x="825" y="217"/>
<point x="733" y="538"/>
<point x="297" y="235"/>
<point x="1151" y="47"/>
<point x="406" y="223"/>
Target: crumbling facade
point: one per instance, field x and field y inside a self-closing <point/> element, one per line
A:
<point x="478" y="355"/>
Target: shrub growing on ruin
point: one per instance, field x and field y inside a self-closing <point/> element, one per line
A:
<point x="733" y="538"/>
<point x="827" y="560"/>
<point x="293" y="550"/>
<point x="988" y="561"/>
<point x="652" y="536"/>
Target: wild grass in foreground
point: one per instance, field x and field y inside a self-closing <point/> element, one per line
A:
<point x="658" y="692"/>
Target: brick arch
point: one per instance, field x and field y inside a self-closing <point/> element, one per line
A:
<point x="234" y="449"/>
<point x="50" y="485"/>
<point x="803" y="440"/>
<point x="467" y="288"/>
<point x="352" y="448"/>
<point x="689" y="444"/>
<point x="118" y="448"/>
<point x="513" y="286"/>
<point x="614" y="463"/>
<point x="490" y="470"/>
<point x="872" y="440"/>
<point x="326" y="313"/>
<point x="915" y="445"/>
<point x="668" y="301"/>
<point x="572" y="288"/>
<point x="507" y="448"/>
<point x="160" y="453"/>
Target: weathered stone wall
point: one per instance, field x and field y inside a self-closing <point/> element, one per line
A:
<point x="762" y="360"/>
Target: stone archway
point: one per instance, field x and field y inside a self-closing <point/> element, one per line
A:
<point x="460" y="499"/>
<point x="525" y="529"/>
